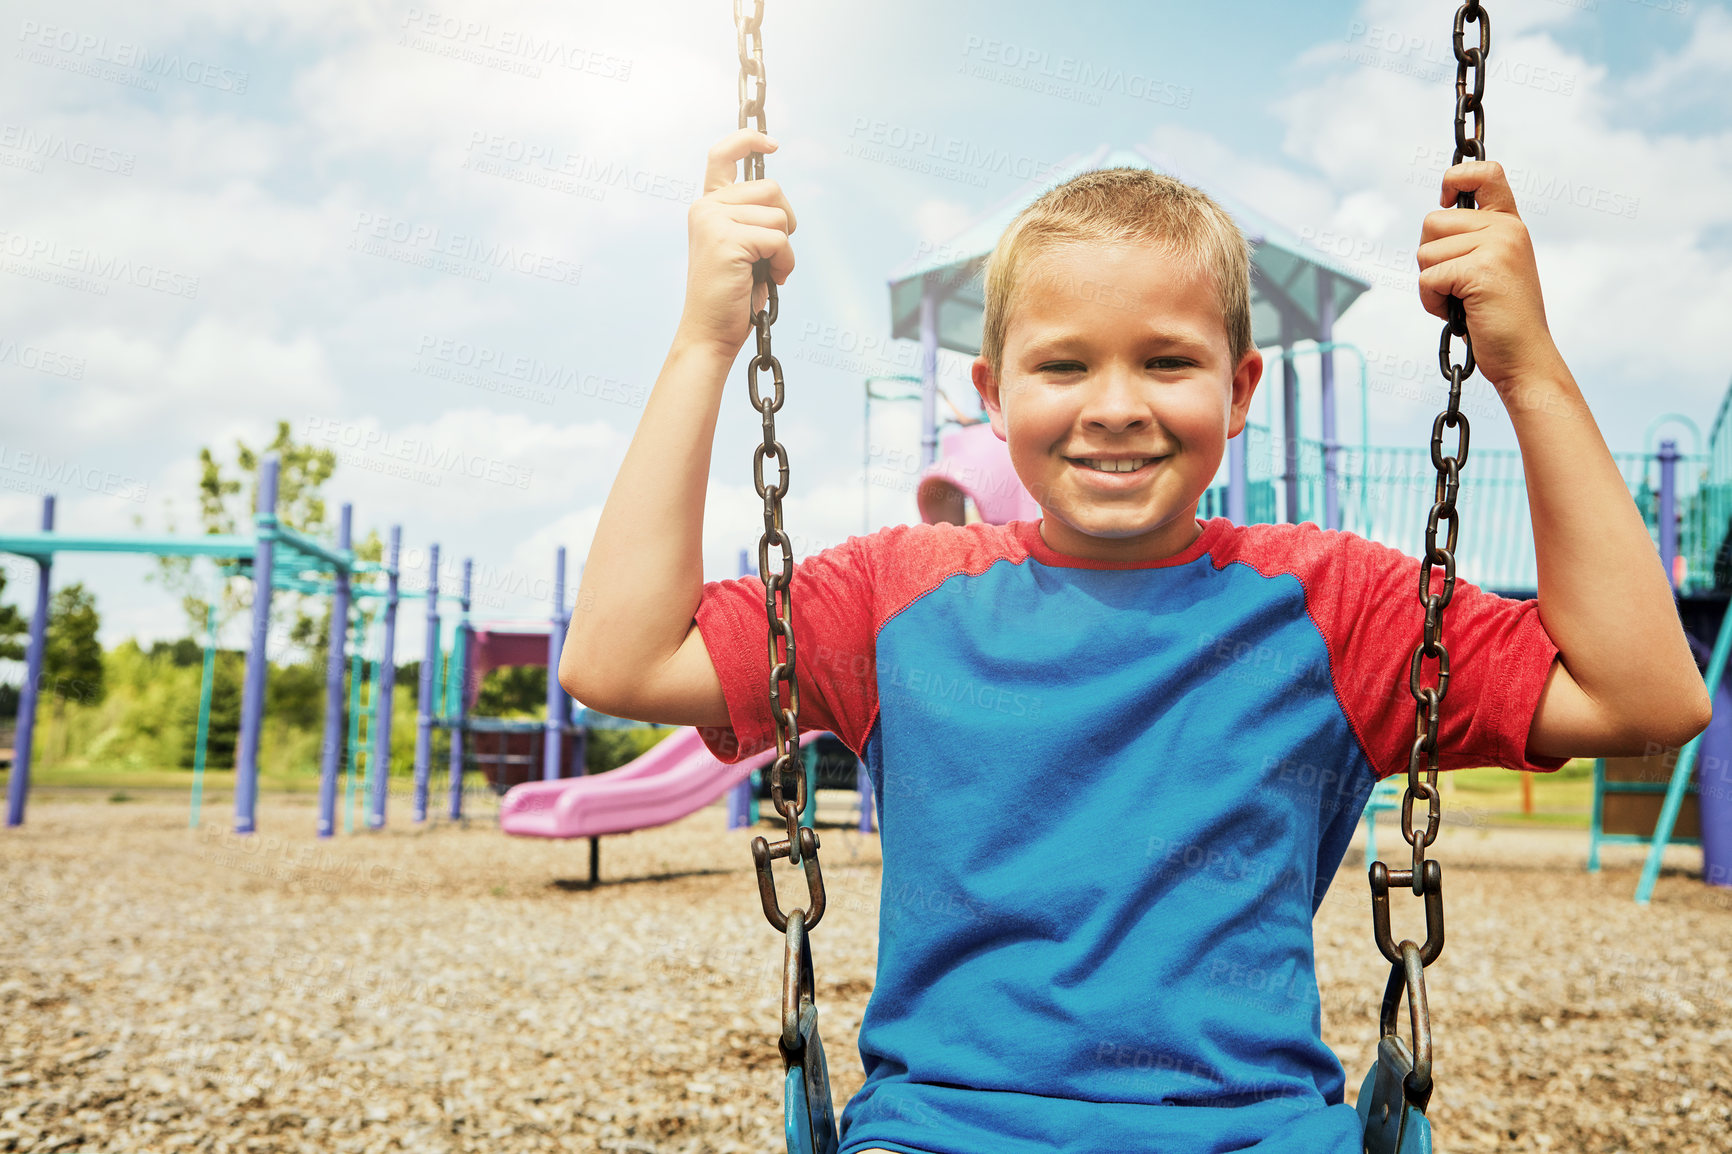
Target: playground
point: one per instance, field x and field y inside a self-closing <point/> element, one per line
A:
<point x="449" y="989"/>
<point x="410" y="877"/>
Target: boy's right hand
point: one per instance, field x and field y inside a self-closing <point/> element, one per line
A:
<point x="731" y="227"/>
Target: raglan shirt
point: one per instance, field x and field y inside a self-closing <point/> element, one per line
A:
<point x="1111" y="797"/>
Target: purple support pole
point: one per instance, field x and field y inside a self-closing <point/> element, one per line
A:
<point x="258" y="660"/>
<point x="557" y="707"/>
<point x="429" y="675"/>
<point x="1289" y="425"/>
<point x="18" y="784"/>
<point x="740" y="804"/>
<point x="1326" y="374"/>
<point x="740" y="796"/>
<point x="863" y="784"/>
<point x="335" y="661"/>
<point x="928" y="370"/>
<point x="1668" y="456"/>
<point x="460" y="676"/>
<point x="381" y="765"/>
<point x="1238" y="477"/>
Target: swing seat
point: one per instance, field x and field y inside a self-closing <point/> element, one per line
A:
<point x="808" y="1115"/>
<point x="1392" y="1124"/>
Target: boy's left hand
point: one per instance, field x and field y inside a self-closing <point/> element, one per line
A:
<point x="1484" y="256"/>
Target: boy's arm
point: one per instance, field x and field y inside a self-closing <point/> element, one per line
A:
<point x="1624" y="676"/>
<point x="632" y="649"/>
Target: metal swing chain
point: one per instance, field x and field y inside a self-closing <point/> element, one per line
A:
<point x="800" y="846"/>
<point x="1426" y="876"/>
<point x="778" y="579"/>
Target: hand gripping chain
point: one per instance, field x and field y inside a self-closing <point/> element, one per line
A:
<point x="1407" y="960"/>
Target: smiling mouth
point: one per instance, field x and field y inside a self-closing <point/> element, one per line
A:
<point x="1112" y="465"/>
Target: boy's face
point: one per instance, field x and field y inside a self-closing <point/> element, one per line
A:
<point x="1117" y="397"/>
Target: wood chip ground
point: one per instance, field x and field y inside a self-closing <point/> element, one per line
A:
<point x="452" y="989"/>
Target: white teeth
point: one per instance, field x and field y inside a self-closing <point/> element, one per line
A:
<point x="1129" y="466"/>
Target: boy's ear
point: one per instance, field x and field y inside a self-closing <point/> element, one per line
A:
<point x="1245" y="379"/>
<point x="987" y="386"/>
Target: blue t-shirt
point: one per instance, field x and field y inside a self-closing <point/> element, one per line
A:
<point x="1111" y="798"/>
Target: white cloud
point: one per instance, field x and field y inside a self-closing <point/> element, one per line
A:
<point x="1697" y="72"/>
<point x="939" y="219"/>
<point x="258" y="196"/>
<point x="1619" y="216"/>
<point x="212" y="375"/>
<point x="466" y="465"/>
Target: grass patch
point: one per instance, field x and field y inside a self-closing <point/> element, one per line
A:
<point x="1564" y="799"/>
<point x="216" y="781"/>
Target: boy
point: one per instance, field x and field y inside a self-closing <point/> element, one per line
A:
<point x="1119" y="753"/>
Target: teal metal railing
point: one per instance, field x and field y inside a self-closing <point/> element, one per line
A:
<point x="1386" y="494"/>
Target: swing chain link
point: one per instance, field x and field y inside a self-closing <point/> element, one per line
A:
<point x="777" y="575"/>
<point x="749" y="30"/>
<point x="1426" y="877"/>
<point x="801" y="844"/>
<point x="1444" y="515"/>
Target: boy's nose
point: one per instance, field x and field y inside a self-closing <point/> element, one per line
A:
<point x="1114" y="403"/>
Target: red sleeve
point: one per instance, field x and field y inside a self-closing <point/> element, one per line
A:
<point x="1364" y="597"/>
<point x="834" y="630"/>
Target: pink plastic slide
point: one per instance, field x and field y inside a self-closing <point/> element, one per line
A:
<point x="978" y="464"/>
<point x="677" y="777"/>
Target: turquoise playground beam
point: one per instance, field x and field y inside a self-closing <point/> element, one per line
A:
<point x="44" y="545"/>
<point x="1682" y="769"/>
<point x="342" y="559"/>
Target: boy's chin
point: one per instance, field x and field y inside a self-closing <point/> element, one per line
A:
<point x="1117" y="527"/>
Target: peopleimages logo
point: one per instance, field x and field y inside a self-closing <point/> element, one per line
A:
<point x="937" y="153"/>
<point x="23" y="471"/>
<point x="474" y="364"/>
<point x="518" y="50"/>
<point x="93" y="51"/>
<point x="105" y="268"/>
<point x="41" y="360"/>
<point x="1064" y="77"/>
<point x="415" y="453"/>
<point x="561" y="170"/>
<point x="39" y="145"/>
<point x="431" y="246"/>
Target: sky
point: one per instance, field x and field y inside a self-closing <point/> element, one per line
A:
<point x="448" y="240"/>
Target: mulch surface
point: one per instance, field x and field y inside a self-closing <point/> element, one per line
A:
<point x="448" y="988"/>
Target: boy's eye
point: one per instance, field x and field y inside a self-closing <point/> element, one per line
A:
<point x="1162" y="364"/>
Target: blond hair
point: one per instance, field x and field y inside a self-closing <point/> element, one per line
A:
<point x="1123" y="206"/>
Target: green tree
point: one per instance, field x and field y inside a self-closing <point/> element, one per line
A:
<point x="228" y="671"/>
<point x="13" y="627"/>
<point x="13" y="630"/>
<point x="223" y="738"/>
<point x="300" y="503"/>
<point x="512" y="691"/>
<point x="227" y="499"/>
<point x="609" y="749"/>
<point x="295" y="694"/>
<point x="72" y="662"/>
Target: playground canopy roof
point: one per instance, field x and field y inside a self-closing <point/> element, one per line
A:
<point x="1283" y="275"/>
